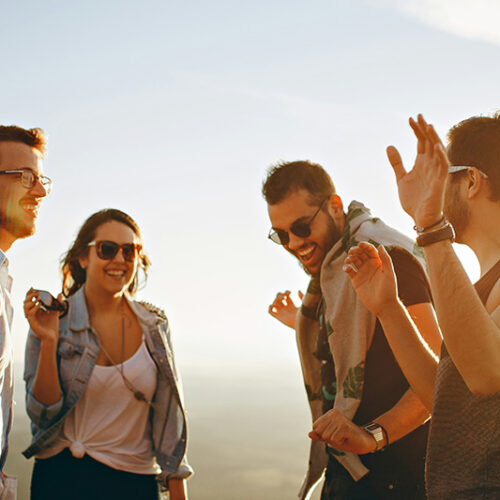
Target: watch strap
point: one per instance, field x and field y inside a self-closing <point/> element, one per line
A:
<point x="445" y="232"/>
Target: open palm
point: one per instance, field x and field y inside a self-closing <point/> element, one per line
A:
<point x="421" y="190"/>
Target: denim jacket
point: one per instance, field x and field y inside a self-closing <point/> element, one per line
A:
<point x="77" y="353"/>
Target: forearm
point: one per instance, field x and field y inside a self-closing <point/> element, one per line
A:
<point x="471" y="336"/>
<point x="404" y="417"/>
<point x="416" y="360"/>
<point x="178" y="489"/>
<point x="46" y="386"/>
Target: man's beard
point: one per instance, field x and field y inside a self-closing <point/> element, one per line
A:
<point x="456" y="211"/>
<point x="16" y="226"/>
<point x="334" y="235"/>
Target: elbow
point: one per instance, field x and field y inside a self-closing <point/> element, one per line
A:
<point x="42" y="415"/>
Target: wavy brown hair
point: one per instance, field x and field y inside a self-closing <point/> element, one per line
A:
<point x="284" y="178"/>
<point x="73" y="274"/>
<point x="34" y="137"/>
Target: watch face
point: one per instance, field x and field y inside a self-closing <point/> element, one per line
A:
<point x="376" y="431"/>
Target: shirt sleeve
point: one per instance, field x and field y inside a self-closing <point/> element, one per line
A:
<point x="413" y="287"/>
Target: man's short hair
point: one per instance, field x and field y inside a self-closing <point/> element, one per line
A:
<point x="284" y="178"/>
<point x="475" y="142"/>
<point x="33" y="137"/>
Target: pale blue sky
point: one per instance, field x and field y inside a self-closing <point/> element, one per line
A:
<point x="172" y="111"/>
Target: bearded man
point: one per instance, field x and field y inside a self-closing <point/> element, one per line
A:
<point x="22" y="188"/>
<point x="451" y="194"/>
<point x="360" y="401"/>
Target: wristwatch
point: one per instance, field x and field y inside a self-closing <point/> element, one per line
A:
<point x="378" y="433"/>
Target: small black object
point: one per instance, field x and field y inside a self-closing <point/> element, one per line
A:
<point x="49" y="303"/>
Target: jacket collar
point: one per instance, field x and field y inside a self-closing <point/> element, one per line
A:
<point x="79" y="316"/>
<point x="78" y="313"/>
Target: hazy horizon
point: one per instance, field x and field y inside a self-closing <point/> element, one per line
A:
<point x="173" y="111"/>
<point x="247" y="435"/>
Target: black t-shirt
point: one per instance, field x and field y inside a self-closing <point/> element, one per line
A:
<point x="384" y="383"/>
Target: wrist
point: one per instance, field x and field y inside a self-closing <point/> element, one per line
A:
<point x="429" y="223"/>
<point x="389" y="308"/>
<point x="379" y="435"/>
<point x="443" y="232"/>
<point x="48" y="343"/>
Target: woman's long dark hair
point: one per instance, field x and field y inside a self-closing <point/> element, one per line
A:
<point x="73" y="274"/>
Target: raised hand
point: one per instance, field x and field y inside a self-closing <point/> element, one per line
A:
<point x="421" y="190"/>
<point x="341" y="433"/>
<point x="372" y="276"/>
<point x="45" y="325"/>
<point x="284" y="309"/>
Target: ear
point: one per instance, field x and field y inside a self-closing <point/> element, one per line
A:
<point x="83" y="261"/>
<point x="335" y="207"/>
<point x="475" y="182"/>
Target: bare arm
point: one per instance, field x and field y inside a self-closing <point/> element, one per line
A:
<point x="416" y="359"/>
<point x="374" y="281"/>
<point x="422" y="332"/>
<point x="471" y="335"/>
<point x="341" y="433"/>
<point x="404" y="417"/>
<point x="177" y="489"/>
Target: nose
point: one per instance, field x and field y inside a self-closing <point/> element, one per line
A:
<point x="39" y="190"/>
<point x="295" y="242"/>
<point x="119" y="255"/>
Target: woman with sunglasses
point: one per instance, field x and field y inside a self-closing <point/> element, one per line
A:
<point x="103" y="393"/>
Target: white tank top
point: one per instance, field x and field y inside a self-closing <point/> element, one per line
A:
<point x="108" y="423"/>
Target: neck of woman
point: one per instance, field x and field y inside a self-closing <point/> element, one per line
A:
<point x="103" y="303"/>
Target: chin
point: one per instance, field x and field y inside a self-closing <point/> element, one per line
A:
<point x="19" y="228"/>
<point x="309" y="270"/>
<point x="23" y="232"/>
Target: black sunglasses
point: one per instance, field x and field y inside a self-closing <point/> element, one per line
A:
<point x="300" y="229"/>
<point x="107" y="250"/>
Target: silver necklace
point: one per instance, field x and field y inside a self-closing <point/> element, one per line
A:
<point x="138" y="395"/>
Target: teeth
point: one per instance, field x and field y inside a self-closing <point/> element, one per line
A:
<point x="116" y="273"/>
<point x="305" y="253"/>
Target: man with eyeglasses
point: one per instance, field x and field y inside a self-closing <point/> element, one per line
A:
<point x="22" y="188"/>
<point x="451" y="194"/>
<point x="360" y="401"/>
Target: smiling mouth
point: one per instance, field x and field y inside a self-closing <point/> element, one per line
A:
<point x="30" y="207"/>
<point x="115" y="273"/>
<point x="305" y="254"/>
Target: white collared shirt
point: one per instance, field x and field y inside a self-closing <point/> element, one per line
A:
<point x="6" y="356"/>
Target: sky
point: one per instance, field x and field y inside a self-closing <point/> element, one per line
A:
<point x="172" y="111"/>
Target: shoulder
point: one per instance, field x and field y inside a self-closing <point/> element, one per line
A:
<point x="413" y="287"/>
<point x="155" y="310"/>
<point x="404" y="262"/>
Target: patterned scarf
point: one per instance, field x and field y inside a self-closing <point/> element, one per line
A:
<point x="350" y="329"/>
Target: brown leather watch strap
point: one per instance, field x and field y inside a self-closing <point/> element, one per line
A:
<point x="445" y="232"/>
